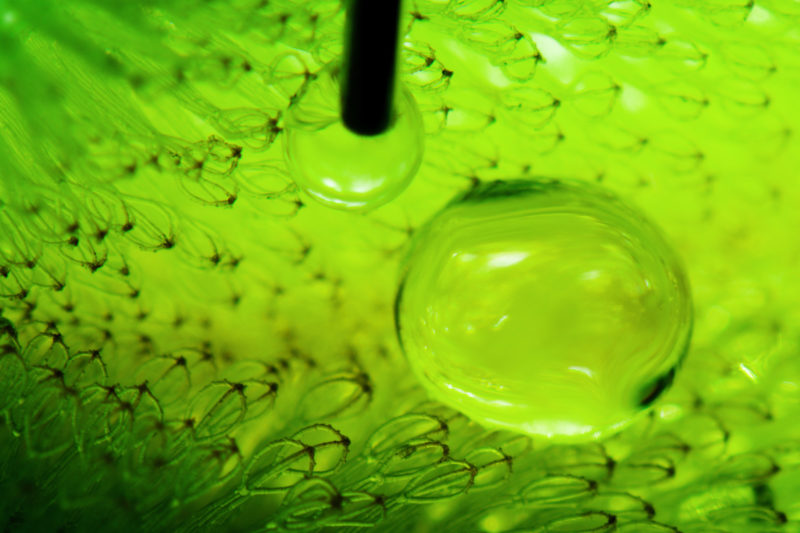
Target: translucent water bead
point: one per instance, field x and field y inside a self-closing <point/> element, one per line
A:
<point x="342" y="169"/>
<point x="550" y="308"/>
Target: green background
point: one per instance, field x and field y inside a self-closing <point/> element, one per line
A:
<point x="189" y="343"/>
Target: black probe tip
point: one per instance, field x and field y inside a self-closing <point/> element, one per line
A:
<point x="370" y="61"/>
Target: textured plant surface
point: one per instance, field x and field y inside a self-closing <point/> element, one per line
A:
<point x="188" y="345"/>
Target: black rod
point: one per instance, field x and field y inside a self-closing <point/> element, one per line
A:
<point x="369" y="65"/>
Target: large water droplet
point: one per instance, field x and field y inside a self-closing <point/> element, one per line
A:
<point x="551" y="308"/>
